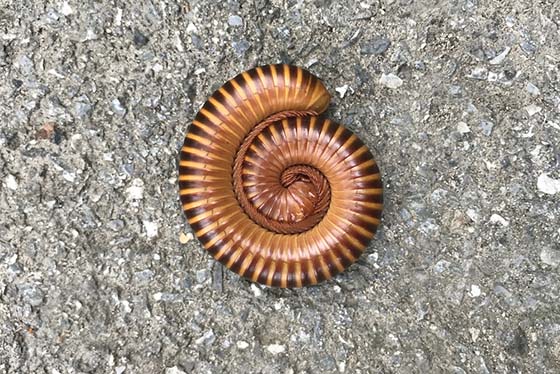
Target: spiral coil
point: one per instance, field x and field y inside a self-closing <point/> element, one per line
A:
<point x="274" y="192"/>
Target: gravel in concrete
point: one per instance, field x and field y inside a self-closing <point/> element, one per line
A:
<point x="459" y="101"/>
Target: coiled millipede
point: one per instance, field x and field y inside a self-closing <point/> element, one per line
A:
<point x="275" y="193"/>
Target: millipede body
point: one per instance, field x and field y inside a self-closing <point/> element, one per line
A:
<point x="272" y="190"/>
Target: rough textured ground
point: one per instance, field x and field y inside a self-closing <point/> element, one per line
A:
<point x="459" y="101"/>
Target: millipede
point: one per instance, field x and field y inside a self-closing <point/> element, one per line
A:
<point x="271" y="188"/>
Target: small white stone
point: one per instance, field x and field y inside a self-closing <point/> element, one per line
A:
<point x="118" y="17"/>
<point x="532" y="89"/>
<point x="120" y="369"/>
<point x="364" y="5"/>
<point x="548" y="185"/>
<point x="390" y="81"/>
<point x="235" y="20"/>
<point x="136" y="190"/>
<point x="256" y="290"/>
<point x="496" y="218"/>
<point x="441" y="266"/>
<point x="553" y="124"/>
<point x="342" y="90"/>
<point x="463" y="128"/>
<point x="475" y="333"/>
<point x="118" y="108"/>
<point x="185" y="238"/>
<point x="532" y="109"/>
<point x="473" y="215"/>
<point x="275" y="348"/>
<point x="55" y="73"/>
<point x="66" y="9"/>
<point x="499" y="58"/>
<point x="157" y="296"/>
<point x="475" y="291"/>
<point x="126" y="306"/>
<point x="478" y="72"/>
<point x="178" y="42"/>
<point x="191" y="28"/>
<point x="11" y="182"/>
<point x="199" y="71"/>
<point x="70" y="177"/>
<point x="242" y="345"/>
<point x="510" y="21"/>
<point x="12" y="259"/>
<point x="151" y="228"/>
<point x="492" y="77"/>
<point x="202" y="275"/>
<point x="174" y="370"/>
<point x="550" y="256"/>
<point x="157" y="68"/>
<point x="311" y="62"/>
<point x="207" y="339"/>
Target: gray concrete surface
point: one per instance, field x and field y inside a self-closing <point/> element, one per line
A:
<point x="459" y="101"/>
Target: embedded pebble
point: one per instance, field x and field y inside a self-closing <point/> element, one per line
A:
<point x="275" y="348"/>
<point x="191" y="28"/>
<point x="473" y="215"/>
<point x="235" y="20"/>
<point x="185" y="238"/>
<point x="140" y="39"/>
<point x="550" y="256"/>
<point x="501" y="57"/>
<point x="256" y="290"/>
<point x="455" y="91"/>
<point x="528" y="46"/>
<point x="342" y="90"/>
<point x="441" y="266"/>
<point x="376" y="46"/>
<point x="116" y="224"/>
<point x="145" y="276"/>
<point x="547" y="184"/>
<point x="66" y="9"/>
<point x="82" y="108"/>
<point x="241" y="46"/>
<point x="496" y="218"/>
<point x="174" y="370"/>
<point x="11" y="182"/>
<point x="486" y="127"/>
<point x="136" y="190"/>
<point x="390" y="80"/>
<point x="118" y="107"/>
<point x="151" y="228"/>
<point x="31" y="295"/>
<point x="463" y="128"/>
<point x="207" y="339"/>
<point x="475" y="291"/>
<point x="69" y="176"/>
<point x="532" y="89"/>
<point x="532" y="109"/>
<point x="480" y="73"/>
<point x="202" y="275"/>
<point x="438" y="195"/>
<point x="242" y="345"/>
